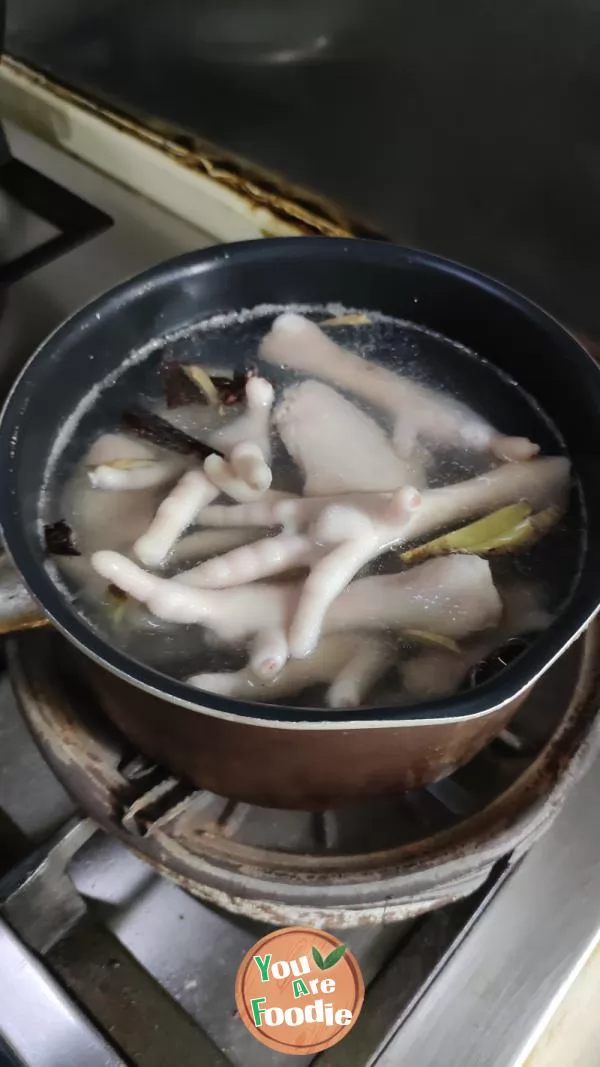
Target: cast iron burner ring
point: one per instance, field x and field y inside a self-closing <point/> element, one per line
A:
<point x="384" y="860"/>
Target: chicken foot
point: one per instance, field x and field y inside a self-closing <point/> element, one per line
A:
<point x="436" y="673"/>
<point x="250" y="562"/>
<point x="177" y="511"/>
<point x="120" y="463"/>
<point x="245" y="474"/>
<point x="541" y="481"/>
<point x="300" y="344"/>
<point x="341" y="541"/>
<point x="337" y="446"/>
<point x="351" y="663"/>
<point x="246" y="442"/>
<point x="359" y="536"/>
<point x="451" y="595"/>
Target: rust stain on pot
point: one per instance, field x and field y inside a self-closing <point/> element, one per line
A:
<point x="306" y="213"/>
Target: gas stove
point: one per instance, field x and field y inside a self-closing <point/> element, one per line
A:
<point x="128" y="900"/>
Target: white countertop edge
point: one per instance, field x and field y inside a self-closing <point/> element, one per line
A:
<point x="149" y="163"/>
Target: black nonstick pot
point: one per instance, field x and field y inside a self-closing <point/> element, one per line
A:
<point x="285" y="755"/>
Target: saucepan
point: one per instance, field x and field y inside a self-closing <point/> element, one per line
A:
<point x="274" y="755"/>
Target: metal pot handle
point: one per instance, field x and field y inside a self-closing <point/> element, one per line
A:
<point x="18" y="610"/>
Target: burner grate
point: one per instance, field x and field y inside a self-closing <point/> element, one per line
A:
<point x="70" y="220"/>
<point x="383" y="860"/>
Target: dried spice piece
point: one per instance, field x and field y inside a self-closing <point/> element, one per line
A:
<point x="127" y="464"/>
<point x="178" y="388"/>
<point x="504" y="530"/>
<point x="543" y="521"/>
<point x="233" y="390"/>
<point x="60" y="540"/>
<point x="431" y="640"/>
<point x="524" y="535"/>
<point x="118" y="603"/>
<point x="151" y="427"/>
<point x="347" y="320"/>
<point x="115" y="593"/>
<point x="203" y="382"/>
<point x="189" y="383"/>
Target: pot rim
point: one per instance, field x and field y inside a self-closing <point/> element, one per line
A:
<point x="483" y="700"/>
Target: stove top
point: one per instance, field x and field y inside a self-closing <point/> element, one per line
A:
<point x="124" y="941"/>
<point x="119" y="964"/>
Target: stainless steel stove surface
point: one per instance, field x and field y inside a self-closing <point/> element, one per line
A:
<point x="104" y="961"/>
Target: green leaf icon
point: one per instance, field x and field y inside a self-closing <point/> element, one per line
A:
<point x="330" y="960"/>
<point x="317" y="957"/>
<point x="333" y="957"/>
